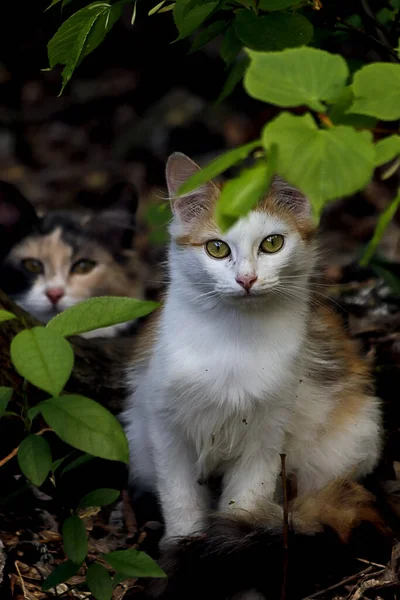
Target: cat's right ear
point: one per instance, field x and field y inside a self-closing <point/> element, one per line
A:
<point x="192" y="205"/>
<point x="17" y="217"/>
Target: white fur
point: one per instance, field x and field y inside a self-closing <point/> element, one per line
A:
<point x="227" y="387"/>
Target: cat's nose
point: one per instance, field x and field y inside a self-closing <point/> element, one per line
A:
<point x="54" y="294"/>
<point x="246" y="281"/>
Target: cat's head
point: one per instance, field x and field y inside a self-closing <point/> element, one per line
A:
<point x="268" y="253"/>
<point x="49" y="263"/>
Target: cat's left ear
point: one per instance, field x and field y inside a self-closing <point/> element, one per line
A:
<point x="291" y="198"/>
<point x="192" y="205"/>
<point x="114" y="224"/>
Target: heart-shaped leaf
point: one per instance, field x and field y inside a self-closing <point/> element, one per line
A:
<point x="387" y="149"/>
<point x="376" y="89"/>
<point x="323" y="163"/>
<point x="301" y="76"/>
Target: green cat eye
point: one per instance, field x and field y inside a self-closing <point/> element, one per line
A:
<point x="32" y="265"/>
<point x="272" y="243"/>
<point x="217" y="249"/>
<point x="83" y="266"/>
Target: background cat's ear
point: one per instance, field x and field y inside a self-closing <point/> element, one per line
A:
<point x="17" y="217"/>
<point x="291" y="198"/>
<point x="114" y="224"/>
<point x="179" y="169"/>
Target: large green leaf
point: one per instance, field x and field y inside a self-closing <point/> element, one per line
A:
<point x="75" y="539"/>
<point x="43" y="357"/>
<point x="218" y="166"/>
<point x="60" y="574"/>
<point x="6" y="315"/>
<point x="133" y="563"/>
<point x="34" y="459"/>
<point x="95" y="313"/>
<point x="387" y="149"/>
<point x="80" y="35"/>
<point x="323" y="163"/>
<point x="99" y="582"/>
<point x="274" y="31"/>
<point x="87" y="426"/>
<point x="100" y="497"/>
<point x="241" y="194"/>
<point x="5" y="397"/>
<point x="381" y="226"/>
<point x="302" y="76"/>
<point x="376" y="89"/>
<point x="189" y="16"/>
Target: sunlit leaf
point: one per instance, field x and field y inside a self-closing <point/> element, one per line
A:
<point x="387" y="149"/>
<point x="376" y="89"/>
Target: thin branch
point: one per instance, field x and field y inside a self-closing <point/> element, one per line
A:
<point x="344" y="581"/>
<point x="5" y="460"/>
<point x="365" y="34"/>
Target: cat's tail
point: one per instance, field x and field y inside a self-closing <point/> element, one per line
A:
<point x="330" y="535"/>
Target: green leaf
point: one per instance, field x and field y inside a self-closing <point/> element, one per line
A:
<point x="43" y="357"/>
<point x="99" y="582"/>
<point x="5" y="397"/>
<point x="78" y="462"/>
<point x="57" y="463"/>
<point x="80" y="35"/>
<point x="304" y="76"/>
<point x="156" y="8"/>
<point x="207" y="35"/>
<point x="63" y="5"/>
<point x="323" y="163"/>
<point x="387" y="149"/>
<point x="189" y="17"/>
<point x="381" y="226"/>
<point x="339" y="115"/>
<point x="241" y="194"/>
<point x="218" y="166"/>
<point x="75" y="539"/>
<point x="60" y="574"/>
<point x="34" y="459"/>
<point x="275" y="31"/>
<point x="5" y="315"/>
<point x="133" y="563"/>
<point x="100" y="497"/>
<point x="271" y="5"/>
<point x="99" y="312"/>
<point x="230" y="45"/>
<point x="33" y="412"/>
<point x="376" y="90"/>
<point x="235" y="75"/>
<point x="87" y="426"/>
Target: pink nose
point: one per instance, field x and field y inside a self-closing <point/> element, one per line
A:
<point x="54" y="294"/>
<point x="246" y="281"/>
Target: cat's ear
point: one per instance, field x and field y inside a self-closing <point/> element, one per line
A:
<point x="17" y="217"/>
<point x="179" y="169"/>
<point x="114" y="223"/>
<point x="291" y="198"/>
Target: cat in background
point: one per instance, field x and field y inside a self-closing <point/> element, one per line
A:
<point x="51" y="262"/>
<point x="240" y="365"/>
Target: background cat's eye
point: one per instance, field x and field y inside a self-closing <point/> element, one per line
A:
<point x="83" y="266"/>
<point x="218" y="249"/>
<point x="32" y="265"/>
<point x="272" y="243"/>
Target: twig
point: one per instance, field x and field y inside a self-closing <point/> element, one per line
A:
<point x="369" y="562"/>
<point x="285" y="526"/>
<point x="20" y="578"/>
<point x="369" y="36"/>
<point x="5" y="460"/>
<point x="340" y="583"/>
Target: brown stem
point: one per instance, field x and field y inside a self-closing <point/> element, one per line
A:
<point x="5" y="460"/>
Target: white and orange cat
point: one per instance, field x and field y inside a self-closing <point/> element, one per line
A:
<point x="243" y="365"/>
<point x="49" y="263"/>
